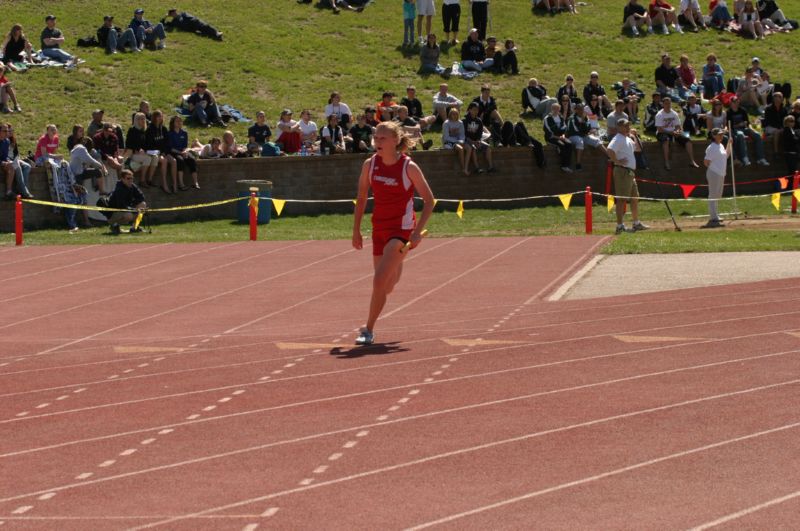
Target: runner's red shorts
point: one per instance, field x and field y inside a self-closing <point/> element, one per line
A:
<point x="380" y="237"/>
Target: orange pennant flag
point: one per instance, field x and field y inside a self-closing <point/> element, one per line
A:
<point x="278" y="204"/>
<point x="434" y="202"/>
<point x="460" y="210"/>
<point x="784" y="182"/>
<point x="253" y="203"/>
<point x="610" y="203"/>
<point x="687" y="190"/>
<point x="565" y="200"/>
<point x="776" y="201"/>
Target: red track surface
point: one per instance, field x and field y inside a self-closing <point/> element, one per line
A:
<point x="215" y="387"/>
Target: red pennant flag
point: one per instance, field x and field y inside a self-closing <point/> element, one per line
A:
<point x="687" y="189"/>
<point x="784" y="183"/>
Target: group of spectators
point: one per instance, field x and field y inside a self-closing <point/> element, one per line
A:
<point x="752" y="19"/>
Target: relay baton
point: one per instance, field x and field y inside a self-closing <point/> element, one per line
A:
<point x="407" y="246"/>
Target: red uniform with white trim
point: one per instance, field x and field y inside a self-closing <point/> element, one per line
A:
<point x="393" y="196"/>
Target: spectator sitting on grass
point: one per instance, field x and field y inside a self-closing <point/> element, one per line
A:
<point x="636" y="17"/>
<point x="690" y="14"/>
<point x="768" y="10"/>
<point x="187" y="22"/>
<point x="720" y="16"/>
<point x="555" y="130"/>
<point x="739" y="126"/>
<point x="289" y="137"/>
<point x="630" y="95"/>
<point x="773" y="119"/>
<point x="494" y="54"/>
<point x="96" y="125"/>
<point x="6" y="164"/>
<point x="713" y="77"/>
<point x="15" y="47"/>
<point x="76" y="137"/>
<point x="579" y="134"/>
<point x="566" y="108"/>
<point x="144" y="108"/>
<point x="614" y="117"/>
<point x="569" y="89"/>
<point x="332" y="137"/>
<point x="746" y="90"/>
<point x="22" y="169"/>
<point x="145" y="32"/>
<point x="107" y="143"/>
<point x="453" y="136"/>
<point x="694" y="116"/>
<point x="361" y="133"/>
<point x="212" y="150"/>
<point x="369" y="116"/>
<point x="487" y="107"/>
<point x="203" y="105"/>
<point x="182" y="159"/>
<point x="229" y="147"/>
<point x="7" y="92"/>
<point x="126" y="195"/>
<point x="668" y="80"/>
<point x="687" y="75"/>
<point x="429" y="57"/>
<point x="51" y="41"/>
<point x="136" y="155"/>
<point x="535" y="98"/>
<point x="443" y="101"/>
<point x="258" y="134"/>
<point x="112" y="38"/>
<point x="411" y="127"/>
<point x="594" y="88"/>
<point x="84" y="166"/>
<point x="509" y="58"/>
<point x="662" y="13"/>
<point x="308" y="129"/>
<point x="751" y="24"/>
<point x="669" y="130"/>
<point x="473" y="53"/>
<point x="338" y="5"/>
<point x="341" y="110"/>
<point x="47" y="146"/>
<point x="414" y="107"/>
<point x="158" y="146"/>
<point x="474" y="131"/>
<point x="387" y="108"/>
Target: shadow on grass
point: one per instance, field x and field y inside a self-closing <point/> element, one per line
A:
<point x="376" y="349"/>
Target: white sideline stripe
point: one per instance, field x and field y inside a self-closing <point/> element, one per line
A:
<point x="409" y="419"/>
<point x="150" y="287"/>
<point x="270" y="512"/>
<point x="604" y="475"/>
<point x="82" y="262"/>
<point x="747" y="511"/>
<point x="250" y="527"/>
<point x="566" y="286"/>
<point x="502" y="442"/>
<point x="567" y="271"/>
<point x="46" y="496"/>
<point x="453" y="279"/>
<point x="71" y="250"/>
<point x="111" y="518"/>
<point x="412" y="391"/>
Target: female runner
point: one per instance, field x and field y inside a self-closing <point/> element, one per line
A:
<point x="393" y="177"/>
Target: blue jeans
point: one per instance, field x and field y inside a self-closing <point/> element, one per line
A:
<point x="713" y="85"/>
<point x="740" y="144"/>
<point x="57" y="54"/>
<point x="203" y="116"/>
<point x="720" y="15"/>
<point x="408" y="30"/>
<point x="21" y="171"/>
<point x="432" y="69"/>
<point x="119" y="42"/>
<point x="143" y="38"/>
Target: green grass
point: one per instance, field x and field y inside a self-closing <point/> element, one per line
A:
<point x="284" y="54"/>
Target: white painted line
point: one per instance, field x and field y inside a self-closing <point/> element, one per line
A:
<point x="428" y="380"/>
<point x="453" y="359"/>
<point x="299" y="359"/>
<point x="250" y="527"/>
<point x="320" y="469"/>
<point x="445" y="366"/>
<point x="162" y="358"/>
<point x="22" y="510"/>
<point x="270" y="512"/>
<point x="307" y="481"/>
<point x="166" y="431"/>
<point x="206" y="340"/>
<point x="574" y="279"/>
<point x="127" y="452"/>
<point x="224" y="399"/>
<point x="316" y="351"/>
<point x="362" y="433"/>
<point x="263" y="378"/>
<point x="22" y="413"/>
<point x="46" y="496"/>
<point x="288" y="365"/>
<point x="349" y="444"/>
<point x="393" y="408"/>
<point x="84" y="475"/>
<point x="193" y="345"/>
<point x="277" y="371"/>
<point x="567" y="271"/>
<point x="238" y="392"/>
<point x="40" y="406"/>
<point x="62" y="397"/>
<point x="147" y="441"/>
<point x="335" y="456"/>
<point x="194" y="416"/>
<point x="82" y="389"/>
<point x="108" y="463"/>
<point x="403" y="400"/>
<point x="414" y="392"/>
<point x="216" y="336"/>
<point x="381" y="418"/>
<point x="113" y="376"/>
<point x="143" y="365"/>
<point x="126" y="371"/>
<point x="747" y="511"/>
<point x="209" y="408"/>
<point x="437" y="373"/>
<point x="467" y="349"/>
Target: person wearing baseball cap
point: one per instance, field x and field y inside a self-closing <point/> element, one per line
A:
<point x="51" y="40"/>
<point x="113" y="38"/>
<point x="146" y="32"/>
<point x="716" y="163"/>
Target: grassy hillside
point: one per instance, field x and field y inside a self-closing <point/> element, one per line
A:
<point x="280" y="54"/>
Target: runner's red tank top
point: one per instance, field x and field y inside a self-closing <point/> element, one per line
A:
<point x="393" y="194"/>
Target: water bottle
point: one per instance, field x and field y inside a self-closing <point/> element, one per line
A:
<point x="303" y="151"/>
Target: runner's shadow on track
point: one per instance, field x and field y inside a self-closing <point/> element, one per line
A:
<point x="377" y="349"/>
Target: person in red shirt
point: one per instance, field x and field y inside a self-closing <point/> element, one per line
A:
<point x="47" y="146"/>
<point x="661" y="12"/>
<point x="393" y="178"/>
<point x="387" y="108"/>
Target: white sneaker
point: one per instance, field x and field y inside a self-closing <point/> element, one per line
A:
<point x="678" y="28"/>
<point x="666" y="30"/>
<point x="635" y="31"/>
<point x="365" y="337"/>
<point x="650" y="30"/>
<point x="566" y="169"/>
<point x="762" y="162"/>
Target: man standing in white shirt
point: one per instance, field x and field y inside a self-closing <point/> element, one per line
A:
<point x="716" y="162"/>
<point x="622" y="152"/>
<point x="668" y="127"/>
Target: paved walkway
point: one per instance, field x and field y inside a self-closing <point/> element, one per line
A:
<point x="647" y="273"/>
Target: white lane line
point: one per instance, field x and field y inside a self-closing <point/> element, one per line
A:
<point x="381" y="418"/>
<point x="84" y="475"/>
<point x="320" y="469"/>
<point x="127" y="452"/>
<point x="428" y="380"/>
<point x="307" y="481"/>
<point x="113" y="376"/>
<point x="194" y="416"/>
<point x="436" y="373"/>
<point x="62" y="397"/>
<point x="610" y="473"/>
<point x="445" y="366"/>
<point x="209" y="408"/>
<point x="276" y="371"/>
<point x="225" y="399"/>
<point x="126" y="371"/>
<point x="82" y="389"/>
<point x="206" y="340"/>
<point x="22" y="413"/>
<point x="288" y="365"/>
<point x="401" y="387"/>
<point x="299" y="360"/>
<point x="362" y="433"/>
<point x="143" y="365"/>
<point x="567" y="271"/>
<point x="147" y="441"/>
<point x="264" y="378"/>
<point x="250" y="527"/>
<point x="238" y="392"/>
<point x="166" y="431"/>
<point x="393" y="408"/>
<point x="462" y="451"/>
<point x="46" y="496"/>
<point x="193" y="345"/>
<point x="414" y="392"/>
<point x="316" y="351"/>
<point x="22" y="510"/>
<point x="335" y="456"/>
<point x="574" y="279"/>
<point x="40" y="406"/>
<point x="106" y="464"/>
<point x="270" y="512"/>
<point x="349" y="444"/>
<point x="453" y="359"/>
<point x="162" y="358"/>
<point x="747" y="511"/>
<point x="403" y="400"/>
<point x="404" y="420"/>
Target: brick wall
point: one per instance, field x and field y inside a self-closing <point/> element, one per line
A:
<point x="336" y="177"/>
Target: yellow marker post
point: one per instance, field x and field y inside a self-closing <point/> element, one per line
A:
<point x="407" y="246"/>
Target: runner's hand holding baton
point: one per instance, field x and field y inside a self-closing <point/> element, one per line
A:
<point x="410" y="244"/>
